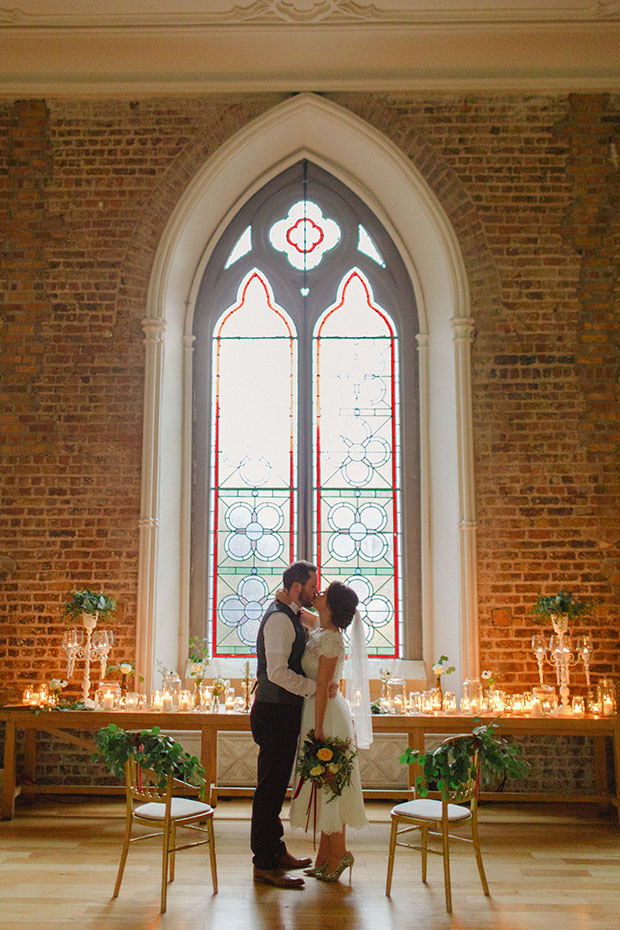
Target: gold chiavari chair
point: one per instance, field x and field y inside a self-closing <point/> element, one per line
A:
<point x="436" y="818"/>
<point x="147" y="804"/>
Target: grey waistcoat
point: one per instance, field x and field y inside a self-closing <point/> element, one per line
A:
<point x="266" y="690"/>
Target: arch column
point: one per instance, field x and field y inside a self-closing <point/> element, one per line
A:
<point x="463" y="332"/>
<point x="154" y="329"/>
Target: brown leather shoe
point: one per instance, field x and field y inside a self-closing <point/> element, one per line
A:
<point x="288" y="862"/>
<point x="277" y="877"/>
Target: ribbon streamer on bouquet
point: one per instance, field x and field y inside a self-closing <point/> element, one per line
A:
<point x="312" y="804"/>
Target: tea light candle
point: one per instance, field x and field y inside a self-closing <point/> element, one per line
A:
<point x="157" y="700"/>
<point x="131" y="700"/>
<point x="185" y="700"/>
<point x="108" y="701"/>
<point x="449" y="702"/>
<point x="27" y="696"/>
<point x="578" y="705"/>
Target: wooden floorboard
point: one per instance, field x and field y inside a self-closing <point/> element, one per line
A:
<point x="548" y="869"/>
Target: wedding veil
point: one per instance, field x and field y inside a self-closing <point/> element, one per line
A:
<point x="358" y="683"/>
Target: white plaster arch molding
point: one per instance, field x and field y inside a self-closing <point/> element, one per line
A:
<point x="307" y="126"/>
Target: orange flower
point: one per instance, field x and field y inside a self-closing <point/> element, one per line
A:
<point x="324" y="754"/>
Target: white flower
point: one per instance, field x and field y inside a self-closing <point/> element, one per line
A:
<point x="486" y="675"/>
<point x="437" y="669"/>
<point x="56" y="684"/>
<point x="125" y="668"/>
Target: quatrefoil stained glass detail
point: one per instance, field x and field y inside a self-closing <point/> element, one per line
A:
<point x="304" y="235"/>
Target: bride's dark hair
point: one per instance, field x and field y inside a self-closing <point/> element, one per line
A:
<point x="342" y="601"/>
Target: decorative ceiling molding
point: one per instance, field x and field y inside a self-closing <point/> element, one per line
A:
<point x="43" y="14"/>
<point x="176" y="46"/>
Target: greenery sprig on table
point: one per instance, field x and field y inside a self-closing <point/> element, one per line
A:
<point x="450" y="766"/>
<point x="151" y="750"/>
<point x="88" y="602"/>
<point x="562" y="604"/>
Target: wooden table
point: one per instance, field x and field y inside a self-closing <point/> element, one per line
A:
<point x="62" y="723"/>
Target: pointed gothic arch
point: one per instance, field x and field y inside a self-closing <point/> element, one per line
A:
<point x="307" y="126"/>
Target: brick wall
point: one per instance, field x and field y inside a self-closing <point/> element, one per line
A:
<point x="531" y="185"/>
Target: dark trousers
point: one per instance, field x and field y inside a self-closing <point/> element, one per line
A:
<point x="275" y="727"/>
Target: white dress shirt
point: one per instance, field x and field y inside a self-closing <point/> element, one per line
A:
<point x="279" y="636"/>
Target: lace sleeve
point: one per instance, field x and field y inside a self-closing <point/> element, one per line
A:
<point x="331" y="645"/>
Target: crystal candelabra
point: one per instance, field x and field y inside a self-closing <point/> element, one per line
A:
<point x="97" y="646"/>
<point x="561" y="657"/>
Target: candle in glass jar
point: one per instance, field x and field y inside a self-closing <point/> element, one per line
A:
<point x="156" y="700"/>
<point x="108" y="701"/>
<point x="167" y="701"/>
<point x="185" y="700"/>
<point x="608" y="707"/>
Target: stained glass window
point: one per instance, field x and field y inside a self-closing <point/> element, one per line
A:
<point x="297" y="433"/>
<point x="253" y="461"/>
<point x="357" y="457"/>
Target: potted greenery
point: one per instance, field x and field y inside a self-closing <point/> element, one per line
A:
<point x="88" y="606"/>
<point x="151" y="750"/>
<point x="450" y="766"/>
<point x="559" y="609"/>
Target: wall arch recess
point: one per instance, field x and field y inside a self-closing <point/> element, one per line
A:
<point x="307" y="126"/>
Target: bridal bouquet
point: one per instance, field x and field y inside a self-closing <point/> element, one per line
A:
<point x="327" y="763"/>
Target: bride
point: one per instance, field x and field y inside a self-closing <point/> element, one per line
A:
<point x="323" y="661"/>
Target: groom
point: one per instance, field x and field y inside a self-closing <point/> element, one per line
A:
<point x="275" y="719"/>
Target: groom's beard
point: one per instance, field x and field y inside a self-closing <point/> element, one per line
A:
<point x="305" y="600"/>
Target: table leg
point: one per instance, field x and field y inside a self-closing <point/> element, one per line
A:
<point x="7" y="804"/>
<point x="208" y="758"/>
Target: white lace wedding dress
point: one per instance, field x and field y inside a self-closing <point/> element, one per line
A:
<point x="348" y="808"/>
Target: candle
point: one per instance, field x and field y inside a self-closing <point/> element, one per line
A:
<point x="156" y="700"/>
<point x="108" y="701"/>
<point x="185" y="700"/>
<point x="131" y="700"/>
<point x="167" y="701"/>
<point x="578" y="705"/>
<point x="608" y="707"/>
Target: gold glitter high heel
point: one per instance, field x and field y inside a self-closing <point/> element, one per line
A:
<point x="316" y="871"/>
<point x="346" y="862"/>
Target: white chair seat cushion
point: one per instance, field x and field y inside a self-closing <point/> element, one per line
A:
<point x="181" y="807"/>
<point x="428" y="809"/>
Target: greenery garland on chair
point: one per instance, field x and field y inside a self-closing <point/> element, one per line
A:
<point x="151" y="750"/>
<point x="450" y="767"/>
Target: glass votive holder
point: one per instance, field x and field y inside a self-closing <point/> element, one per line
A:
<point x="131" y="700"/>
<point x="606" y="696"/>
<point x="106" y="697"/>
<point x="578" y="704"/>
<point x="186" y="701"/>
<point x="229" y="699"/>
<point x="415" y="702"/>
<point x="396" y="695"/>
<point x="157" y="700"/>
<point x="30" y="695"/>
<point x="547" y="698"/>
<point x="449" y="702"/>
<point x="465" y="705"/>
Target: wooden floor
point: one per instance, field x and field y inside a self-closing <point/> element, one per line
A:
<point x="548" y="869"/>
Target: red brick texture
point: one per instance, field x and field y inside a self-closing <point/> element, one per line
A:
<point x="532" y="187"/>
